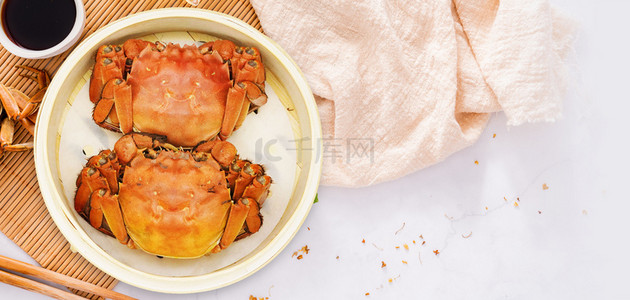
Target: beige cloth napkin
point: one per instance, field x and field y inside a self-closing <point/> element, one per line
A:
<point x="402" y="85"/>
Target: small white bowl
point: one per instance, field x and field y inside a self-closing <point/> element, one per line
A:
<point x="64" y="45"/>
<point x="300" y="105"/>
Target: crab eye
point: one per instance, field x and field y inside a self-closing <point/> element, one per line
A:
<point x="250" y="51"/>
<point x="91" y="171"/>
<point x="252" y="63"/>
<point x="107" y="49"/>
<point x="245" y="201"/>
<point x="102" y="161"/>
<point x="101" y="192"/>
<point x="236" y="168"/>
<point x="262" y="180"/>
<point x="239" y="50"/>
<point x="241" y="85"/>
<point x="107" y="61"/>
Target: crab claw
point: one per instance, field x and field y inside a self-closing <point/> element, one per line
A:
<point x="130" y="145"/>
<point x="223" y="152"/>
<point x="225" y="48"/>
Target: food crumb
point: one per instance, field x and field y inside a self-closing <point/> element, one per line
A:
<point x="423" y="242"/>
<point x="337" y="256"/>
<point x="251" y="297"/>
<point x="476" y="162"/>
<point x="494" y="135"/>
<point x="404" y="262"/>
<point x="401" y="228"/>
<point x="486" y="208"/>
<point x="406" y="246"/>
<point x="467" y="236"/>
<point x="515" y="204"/>
<point x="397" y="247"/>
<point x="505" y="199"/>
<point x="414" y="241"/>
<point x="539" y="212"/>
<point x="303" y="250"/>
<point x="436" y="252"/>
<point x="367" y="294"/>
<point x="363" y="241"/>
<point x="383" y="264"/>
<point x="390" y="280"/>
<point x="309" y="228"/>
<point x="420" y="236"/>
<point x="584" y="212"/>
<point x="545" y="186"/>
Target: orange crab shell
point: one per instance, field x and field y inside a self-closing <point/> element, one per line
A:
<point x="173" y="205"/>
<point x="180" y="87"/>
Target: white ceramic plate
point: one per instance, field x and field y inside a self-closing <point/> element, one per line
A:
<point x="291" y="109"/>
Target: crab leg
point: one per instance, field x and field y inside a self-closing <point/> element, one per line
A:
<point x="42" y="78"/>
<point x="8" y="102"/>
<point x="6" y="138"/>
<point x="6" y="132"/>
<point x="111" y="210"/>
<point x="89" y="181"/>
<point x="29" y="125"/>
<point x="19" y="147"/>
<point x="236" y="219"/>
<point x="253" y="219"/>
<point x="124" y="107"/>
<point x="32" y="104"/>
<point x="246" y="176"/>
<point x="233" y="108"/>
<point x="22" y="100"/>
<point x="107" y="66"/>
<point x="258" y="189"/>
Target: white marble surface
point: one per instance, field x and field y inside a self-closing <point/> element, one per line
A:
<point x="567" y="242"/>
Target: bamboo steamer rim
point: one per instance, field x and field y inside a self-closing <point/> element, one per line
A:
<point x="169" y="284"/>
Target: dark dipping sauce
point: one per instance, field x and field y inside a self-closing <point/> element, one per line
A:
<point x="38" y="24"/>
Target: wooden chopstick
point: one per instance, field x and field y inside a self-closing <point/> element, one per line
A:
<point x="48" y="275"/>
<point x="35" y="286"/>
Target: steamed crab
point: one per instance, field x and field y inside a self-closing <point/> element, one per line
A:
<point x="18" y="107"/>
<point x="188" y="94"/>
<point x="172" y="202"/>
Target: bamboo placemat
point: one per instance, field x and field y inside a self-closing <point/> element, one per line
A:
<point x="23" y="215"/>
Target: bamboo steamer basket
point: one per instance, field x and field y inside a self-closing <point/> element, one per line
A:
<point x="303" y="114"/>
